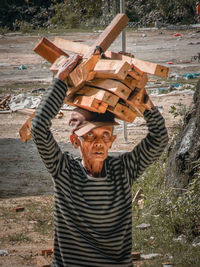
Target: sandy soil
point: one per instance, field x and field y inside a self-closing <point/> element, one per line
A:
<point x="22" y="173"/>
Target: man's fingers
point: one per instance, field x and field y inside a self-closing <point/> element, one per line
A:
<point x="68" y="66"/>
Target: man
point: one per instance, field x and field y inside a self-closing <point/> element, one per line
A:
<point x="93" y="211"/>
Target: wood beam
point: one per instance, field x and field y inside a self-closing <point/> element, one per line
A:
<point x="123" y="112"/>
<point x="48" y="50"/>
<point x="113" y="86"/>
<point x="111" y="32"/>
<point x="102" y="95"/>
<point x="145" y="66"/>
<point x="113" y="69"/>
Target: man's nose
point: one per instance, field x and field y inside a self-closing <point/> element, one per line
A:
<point x="98" y="142"/>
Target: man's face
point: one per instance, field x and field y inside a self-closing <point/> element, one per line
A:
<point x="95" y="144"/>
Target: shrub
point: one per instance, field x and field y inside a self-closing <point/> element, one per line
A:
<point x="64" y="18"/>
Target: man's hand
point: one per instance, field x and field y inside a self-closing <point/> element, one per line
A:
<point x="68" y="65"/>
<point x="146" y="102"/>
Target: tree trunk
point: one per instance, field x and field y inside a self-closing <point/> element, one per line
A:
<point x="184" y="151"/>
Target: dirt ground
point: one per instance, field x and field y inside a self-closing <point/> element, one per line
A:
<point x="23" y="179"/>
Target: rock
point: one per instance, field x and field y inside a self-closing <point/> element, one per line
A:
<point x="143" y="226"/>
<point x="196" y="241"/>
<point x="150" y="256"/>
<point x="167" y="264"/>
<point x="181" y="239"/>
<point x="184" y="150"/>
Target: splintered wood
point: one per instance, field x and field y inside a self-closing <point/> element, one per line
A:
<point x="102" y="80"/>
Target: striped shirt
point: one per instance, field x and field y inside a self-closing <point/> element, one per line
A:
<point x="93" y="216"/>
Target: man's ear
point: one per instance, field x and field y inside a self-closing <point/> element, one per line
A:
<point x="75" y="140"/>
<point x="112" y="140"/>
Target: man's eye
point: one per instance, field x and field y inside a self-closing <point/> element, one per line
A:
<point x="106" y="137"/>
<point x="106" y="134"/>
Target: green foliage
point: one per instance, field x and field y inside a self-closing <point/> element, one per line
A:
<point x="4" y="30"/>
<point x="132" y="14"/>
<point x="75" y="13"/>
<point x="19" y="237"/>
<point x="184" y="10"/>
<point x="63" y="17"/>
<point x="178" y="110"/>
<point x="71" y="14"/>
<point x="25" y="27"/>
<point x="170" y="215"/>
<point x="43" y="217"/>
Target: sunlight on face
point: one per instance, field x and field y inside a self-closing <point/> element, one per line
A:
<point x="96" y="143"/>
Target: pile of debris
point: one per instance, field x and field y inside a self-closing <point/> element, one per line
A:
<point x="103" y="80"/>
<point x="4" y="103"/>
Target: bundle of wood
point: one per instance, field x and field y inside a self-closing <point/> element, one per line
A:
<point x="103" y="80"/>
<point x="4" y="102"/>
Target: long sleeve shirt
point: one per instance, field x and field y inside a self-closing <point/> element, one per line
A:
<point x="93" y="216"/>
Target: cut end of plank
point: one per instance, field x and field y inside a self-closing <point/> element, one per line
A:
<point x="110" y="33"/>
<point x="48" y="50"/>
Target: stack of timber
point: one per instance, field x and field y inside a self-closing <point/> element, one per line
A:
<point x="103" y="80"/>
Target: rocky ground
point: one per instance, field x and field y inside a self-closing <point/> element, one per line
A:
<point x="23" y="179"/>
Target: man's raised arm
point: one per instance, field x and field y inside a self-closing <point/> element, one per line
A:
<point x="150" y="148"/>
<point x="46" y="111"/>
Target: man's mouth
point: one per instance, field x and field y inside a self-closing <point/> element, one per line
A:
<point x="98" y="153"/>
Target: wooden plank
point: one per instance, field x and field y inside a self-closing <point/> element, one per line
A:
<point x="139" y="100"/>
<point x="99" y="94"/>
<point x="112" y="69"/>
<point x="71" y="46"/>
<point x="104" y="40"/>
<point x="136" y="98"/>
<point x="112" y="66"/>
<point x="151" y="68"/>
<point x="48" y="50"/>
<point x="123" y="112"/>
<point x="138" y="71"/>
<point x="25" y="130"/>
<point x="83" y="72"/>
<point x="28" y="111"/>
<point x="119" y="56"/>
<point x="113" y="86"/>
<point x="134" y="75"/>
<point x="145" y="66"/>
<point x="58" y="63"/>
<point x="130" y="82"/>
<point x="110" y="33"/>
<point x="143" y="81"/>
<point x="133" y="83"/>
<point x="138" y="81"/>
<point x="46" y="252"/>
<point x="90" y="103"/>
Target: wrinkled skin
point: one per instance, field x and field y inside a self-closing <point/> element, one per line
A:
<point x="94" y="152"/>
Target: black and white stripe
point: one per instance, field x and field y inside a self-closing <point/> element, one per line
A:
<point x="93" y="220"/>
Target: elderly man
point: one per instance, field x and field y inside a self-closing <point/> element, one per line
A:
<point x="93" y="211"/>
